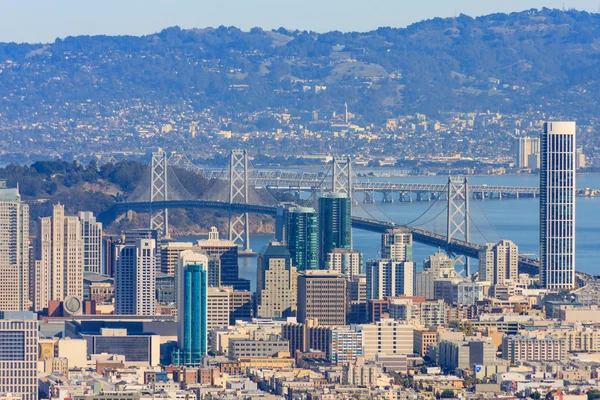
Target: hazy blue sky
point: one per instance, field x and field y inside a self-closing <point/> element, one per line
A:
<point x="45" y="20"/>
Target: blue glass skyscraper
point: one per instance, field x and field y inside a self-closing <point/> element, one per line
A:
<point x="192" y="285"/>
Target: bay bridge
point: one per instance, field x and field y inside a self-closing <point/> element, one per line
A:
<point x="240" y="192"/>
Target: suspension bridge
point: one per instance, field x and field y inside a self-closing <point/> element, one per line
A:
<point x="234" y="191"/>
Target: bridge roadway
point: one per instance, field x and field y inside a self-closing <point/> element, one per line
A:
<point x="305" y="181"/>
<point x="420" y="236"/>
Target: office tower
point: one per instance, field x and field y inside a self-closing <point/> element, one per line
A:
<point x="169" y="254"/>
<point x="440" y="265"/>
<point x="387" y="337"/>
<point x="59" y="259"/>
<point x="276" y="281"/>
<point x="344" y="261"/>
<point x="499" y="263"/>
<point x="108" y="249"/>
<point x="223" y="261"/>
<point x="91" y="233"/>
<point x="301" y="237"/>
<point x="580" y="159"/>
<point x="322" y="296"/>
<point x="14" y="250"/>
<point x="397" y="244"/>
<point x="192" y="291"/>
<point x="557" y="206"/>
<point x="19" y="354"/>
<point x="356" y="295"/>
<point x="135" y="278"/>
<point x="387" y="278"/>
<point x="217" y="308"/>
<point x="526" y="146"/>
<point x="335" y="224"/>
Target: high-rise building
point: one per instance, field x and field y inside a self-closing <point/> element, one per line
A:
<point x="59" y="259"/>
<point x="322" y="296"/>
<point x="440" y="265"/>
<point x="14" y="250"/>
<point x="557" y="206"/>
<point x="344" y="261"/>
<point x="335" y="224"/>
<point x="192" y="331"/>
<point x="135" y="278"/>
<point x="397" y="244"/>
<point x="91" y="233"/>
<point x="223" y="261"/>
<point x="19" y="354"/>
<point x="276" y="281"/>
<point x="356" y="295"/>
<point x="387" y="337"/>
<point x="387" y="278"/>
<point x="169" y="254"/>
<point x="526" y="146"/>
<point x="301" y="237"/>
<point x="499" y="263"/>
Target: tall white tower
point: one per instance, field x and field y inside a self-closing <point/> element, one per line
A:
<point x="557" y="206"/>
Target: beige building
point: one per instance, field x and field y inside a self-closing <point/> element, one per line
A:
<point x="499" y="263"/>
<point x="276" y="283"/>
<point x="579" y="314"/>
<point x="344" y="261"/>
<point x="14" y="250"/>
<point x="423" y="339"/>
<point x="169" y="254"/>
<point x="74" y="350"/>
<point x="397" y="244"/>
<point x="542" y="347"/>
<point x="217" y="308"/>
<point x="91" y="234"/>
<point x="56" y="365"/>
<point x="387" y="337"/>
<point x="322" y="296"/>
<point x="18" y="356"/>
<point x="59" y="259"/>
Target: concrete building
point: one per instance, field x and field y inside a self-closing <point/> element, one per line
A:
<point x="526" y="146"/>
<point x="346" y="344"/>
<point x="192" y="292"/>
<point x="387" y="278"/>
<point x="138" y="349"/>
<point x="356" y="295"/>
<point x="397" y="244"/>
<point x="169" y="256"/>
<point x="335" y="224"/>
<point x="301" y="237"/>
<point x="135" y="278"/>
<point x="276" y="282"/>
<point x="519" y="348"/>
<point x="465" y="354"/>
<point x="223" y="261"/>
<point x="557" y="206"/>
<point x="217" y="308"/>
<point x="91" y="233"/>
<point x="387" y="337"/>
<point x="14" y="250"/>
<point x="59" y="259"/>
<point x="499" y="263"/>
<point x="74" y="350"/>
<point x="322" y="296"/>
<point x="424" y="340"/>
<point x="418" y="311"/>
<point x="19" y="354"/>
<point x="344" y="261"/>
<point x="440" y="265"/>
<point x="258" y="348"/>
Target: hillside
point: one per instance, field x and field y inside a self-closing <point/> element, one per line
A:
<point x="544" y="59"/>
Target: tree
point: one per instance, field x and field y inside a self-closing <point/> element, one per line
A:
<point x="594" y="394"/>
<point x="536" y="395"/>
<point x="447" y="394"/>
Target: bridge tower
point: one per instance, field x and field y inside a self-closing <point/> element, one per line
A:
<point x="342" y="176"/>
<point x="238" y="193"/>
<point x="159" y="219"/>
<point x="458" y="215"/>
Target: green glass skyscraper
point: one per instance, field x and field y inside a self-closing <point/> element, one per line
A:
<point x="335" y="224"/>
<point x="192" y="277"/>
<point x="301" y="237"/>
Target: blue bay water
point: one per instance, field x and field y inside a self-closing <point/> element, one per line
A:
<point x="516" y="220"/>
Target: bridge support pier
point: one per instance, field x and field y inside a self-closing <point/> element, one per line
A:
<point x="423" y="196"/>
<point x="159" y="219"/>
<point x="238" y="193"/>
<point x="458" y="216"/>
<point x="388" y="197"/>
<point x="369" y="197"/>
<point x="405" y="197"/>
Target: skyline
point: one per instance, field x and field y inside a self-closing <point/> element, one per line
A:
<point x="34" y="21"/>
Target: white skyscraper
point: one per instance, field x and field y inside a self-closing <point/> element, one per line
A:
<point x="59" y="259"/>
<point x="14" y="251"/>
<point x="91" y="233"/>
<point x="557" y="206"/>
<point x="135" y="278"/>
<point x="387" y="278"/>
<point x="526" y="146"/>
<point x="499" y="262"/>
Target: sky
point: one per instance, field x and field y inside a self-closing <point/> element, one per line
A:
<point x="43" y="21"/>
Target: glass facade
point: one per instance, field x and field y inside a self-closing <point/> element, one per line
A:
<point x="557" y="206"/>
<point x="335" y="224"/>
<point x="301" y="237"/>
<point x="192" y="335"/>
